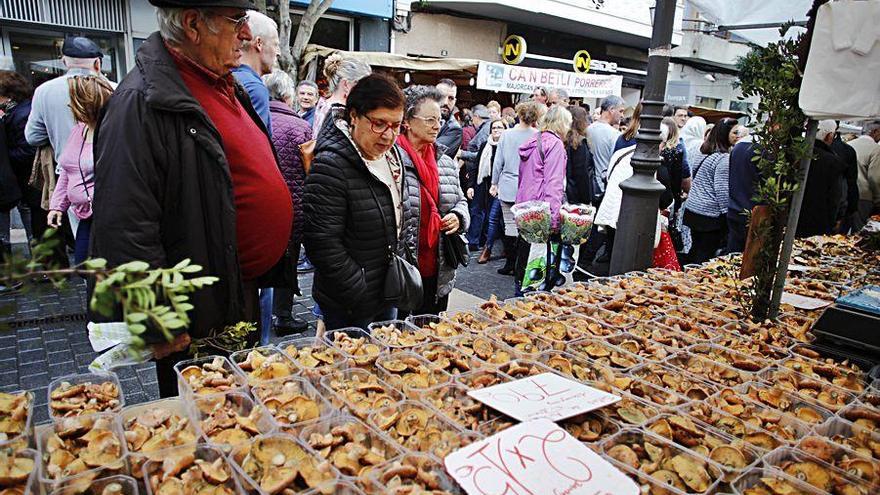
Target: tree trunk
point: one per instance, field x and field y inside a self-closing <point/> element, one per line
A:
<point x="285" y="60"/>
<point x="260" y="6"/>
<point x="316" y="9"/>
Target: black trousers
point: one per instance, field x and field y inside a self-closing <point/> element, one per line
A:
<point x="737" y="231"/>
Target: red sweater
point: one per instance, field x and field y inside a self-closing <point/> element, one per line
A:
<point x="263" y="208"/>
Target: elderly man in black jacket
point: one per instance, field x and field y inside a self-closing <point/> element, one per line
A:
<point x="185" y="169"/>
<point x="823" y="190"/>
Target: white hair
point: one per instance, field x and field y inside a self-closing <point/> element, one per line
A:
<point x="262" y="26"/>
<point x="79" y="63"/>
<point x="280" y="85"/>
<point x="171" y="24"/>
<point x="825" y="128"/>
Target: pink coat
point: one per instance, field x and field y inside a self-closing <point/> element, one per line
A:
<point x="543" y="180"/>
<point x="70" y="190"/>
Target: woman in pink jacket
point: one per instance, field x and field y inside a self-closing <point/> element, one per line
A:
<point x="76" y="183"/>
<point x="542" y="174"/>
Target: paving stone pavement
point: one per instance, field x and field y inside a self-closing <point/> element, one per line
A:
<point x="43" y="334"/>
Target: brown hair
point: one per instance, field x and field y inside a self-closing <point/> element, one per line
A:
<point x="672" y="138"/>
<point x="633" y="128"/>
<point x="88" y="95"/>
<point x="718" y="140"/>
<point x="530" y="112"/>
<point x="14" y="86"/>
<point x="579" y="123"/>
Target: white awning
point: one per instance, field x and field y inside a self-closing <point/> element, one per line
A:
<point x="395" y="61"/>
<point x="745" y="12"/>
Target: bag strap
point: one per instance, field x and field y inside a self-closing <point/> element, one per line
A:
<point x="392" y="242"/>
<point x="540" y="147"/>
<point x="79" y="164"/>
<point x="694" y="172"/>
<point x="620" y="159"/>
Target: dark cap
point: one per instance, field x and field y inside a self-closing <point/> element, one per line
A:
<point x="80" y="47"/>
<point x="200" y="4"/>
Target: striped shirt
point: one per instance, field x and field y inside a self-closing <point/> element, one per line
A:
<point x="709" y="193"/>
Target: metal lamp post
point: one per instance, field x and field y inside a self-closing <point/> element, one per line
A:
<point x="637" y="222"/>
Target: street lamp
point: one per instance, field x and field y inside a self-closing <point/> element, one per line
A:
<point x="637" y="222"/>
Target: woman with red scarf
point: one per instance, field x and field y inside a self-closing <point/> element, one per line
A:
<point x="435" y="195"/>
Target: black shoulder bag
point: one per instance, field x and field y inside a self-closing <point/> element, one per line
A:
<point x="403" y="282"/>
<point x="455" y="250"/>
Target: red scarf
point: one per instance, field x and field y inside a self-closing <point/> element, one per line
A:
<point x="429" y="221"/>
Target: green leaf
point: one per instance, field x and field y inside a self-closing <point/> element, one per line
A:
<point x="185" y="307"/>
<point x="183" y="264"/>
<point x="134" y="266"/>
<point x="136" y="317"/>
<point x="95" y="263"/>
<point x="137" y="328"/>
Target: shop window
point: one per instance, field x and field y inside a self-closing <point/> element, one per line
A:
<point x="38" y="56"/>
<point x="705" y="101"/>
<point x="330" y="31"/>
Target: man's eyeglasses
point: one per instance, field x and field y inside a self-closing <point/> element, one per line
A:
<point x="380" y="126"/>
<point x="239" y="21"/>
<point x="431" y="121"/>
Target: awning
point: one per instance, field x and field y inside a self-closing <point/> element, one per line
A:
<point x="395" y="61"/>
<point x="713" y="115"/>
<point x="752" y="12"/>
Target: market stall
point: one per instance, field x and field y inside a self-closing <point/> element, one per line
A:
<point x="709" y="402"/>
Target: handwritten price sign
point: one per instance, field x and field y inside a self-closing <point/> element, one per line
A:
<point x="545" y="396"/>
<point x="535" y="458"/>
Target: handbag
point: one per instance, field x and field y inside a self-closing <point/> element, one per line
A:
<point x="455" y="250"/>
<point x="675" y="231"/>
<point x="403" y="282"/>
<point x="307" y="152"/>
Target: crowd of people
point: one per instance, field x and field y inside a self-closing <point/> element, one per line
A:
<point x="207" y="151"/>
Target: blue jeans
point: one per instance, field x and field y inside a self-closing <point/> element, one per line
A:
<point x="266" y="296"/>
<point x="334" y="320"/>
<point x="81" y="245"/>
<point x="479" y="206"/>
<point x="496" y="223"/>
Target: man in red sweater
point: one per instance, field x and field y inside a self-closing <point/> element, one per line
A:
<point x="187" y="170"/>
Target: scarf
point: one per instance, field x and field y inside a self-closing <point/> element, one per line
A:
<point x="485" y="167"/>
<point x="429" y="214"/>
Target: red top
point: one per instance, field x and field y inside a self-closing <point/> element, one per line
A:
<point x="263" y="208"/>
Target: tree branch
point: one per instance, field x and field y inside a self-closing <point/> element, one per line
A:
<point x="316" y="9"/>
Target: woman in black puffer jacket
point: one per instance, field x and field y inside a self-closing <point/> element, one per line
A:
<point x="356" y="205"/>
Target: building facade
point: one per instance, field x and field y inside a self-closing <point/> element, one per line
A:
<point x="703" y="69"/>
<point x="614" y="34"/>
<point x="32" y="31"/>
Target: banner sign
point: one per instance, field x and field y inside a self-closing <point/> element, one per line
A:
<point x="544" y="396"/>
<point x="517" y="79"/>
<point x="535" y="458"/>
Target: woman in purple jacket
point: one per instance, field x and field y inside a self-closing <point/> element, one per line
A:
<point x="542" y="174"/>
<point x="76" y="182"/>
<point x="289" y="131"/>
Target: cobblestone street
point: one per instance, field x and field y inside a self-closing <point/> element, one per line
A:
<point x="44" y="335"/>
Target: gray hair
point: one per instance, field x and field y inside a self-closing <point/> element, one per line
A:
<point x="262" y="26"/>
<point x="80" y="63"/>
<point x="338" y="69"/>
<point x="611" y="102"/>
<point x="171" y="24"/>
<point x="306" y="82"/>
<point x="871" y="126"/>
<point x="416" y="95"/>
<point x="280" y="85"/>
<point x="559" y="92"/>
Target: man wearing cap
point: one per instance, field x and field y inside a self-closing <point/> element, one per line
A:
<point x="51" y="120"/>
<point x="185" y="169"/>
<point x="481" y="119"/>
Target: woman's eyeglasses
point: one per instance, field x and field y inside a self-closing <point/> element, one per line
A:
<point x="380" y="126"/>
<point x="431" y="121"/>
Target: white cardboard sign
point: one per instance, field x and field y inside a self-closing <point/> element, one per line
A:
<point x="803" y="302"/>
<point x="544" y="396"/>
<point x="535" y="458"/>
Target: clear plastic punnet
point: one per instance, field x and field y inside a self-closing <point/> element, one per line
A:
<point x="208" y="375"/>
<point x="359" y="391"/>
<point x="280" y="462"/>
<point x="436" y="327"/>
<point x="264" y="364"/>
<point x="193" y="467"/>
<point x="652" y="455"/>
<point x="111" y="485"/>
<point x="357" y="345"/>
<point x="419" y="428"/>
<point x="761" y="480"/>
<point x="413" y="473"/>
<point x="353" y="448"/>
<point x="398" y="334"/>
<point x="85" y="393"/>
<point x="231" y="419"/>
<point x="292" y="402"/>
<point x="820" y="474"/>
<point x="152" y="428"/>
<point x="312" y="354"/>
<point x="18" y="427"/>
